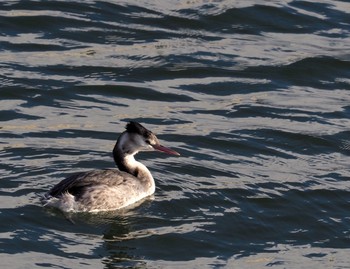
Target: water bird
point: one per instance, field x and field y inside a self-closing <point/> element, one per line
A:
<point x="111" y="189"/>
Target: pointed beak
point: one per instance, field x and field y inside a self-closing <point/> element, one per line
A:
<point x="165" y="150"/>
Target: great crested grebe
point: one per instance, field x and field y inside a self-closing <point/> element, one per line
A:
<point x="111" y="189"/>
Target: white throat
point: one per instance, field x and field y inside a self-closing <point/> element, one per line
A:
<point x="127" y="146"/>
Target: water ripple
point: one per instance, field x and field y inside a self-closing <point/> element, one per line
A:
<point x="253" y="95"/>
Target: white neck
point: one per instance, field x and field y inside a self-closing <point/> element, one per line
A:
<point x="140" y="171"/>
<point x="127" y="163"/>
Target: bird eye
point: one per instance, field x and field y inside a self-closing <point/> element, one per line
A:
<point x="148" y="141"/>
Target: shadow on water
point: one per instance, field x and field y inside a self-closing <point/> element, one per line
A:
<point x="114" y="230"/>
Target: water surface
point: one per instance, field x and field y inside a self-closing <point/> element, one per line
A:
<point x="254" y="95"/>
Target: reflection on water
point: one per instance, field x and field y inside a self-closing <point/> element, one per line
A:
<point x="253" y="95"/>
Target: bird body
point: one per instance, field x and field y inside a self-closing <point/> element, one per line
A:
<point x="110" y="189"/>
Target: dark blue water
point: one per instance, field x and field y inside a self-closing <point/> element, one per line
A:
<point x="255" y="95"/>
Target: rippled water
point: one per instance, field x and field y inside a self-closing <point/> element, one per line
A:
<point x="253" y="94"/>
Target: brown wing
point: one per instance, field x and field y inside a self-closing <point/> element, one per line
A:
<point x="75" y="183"/>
